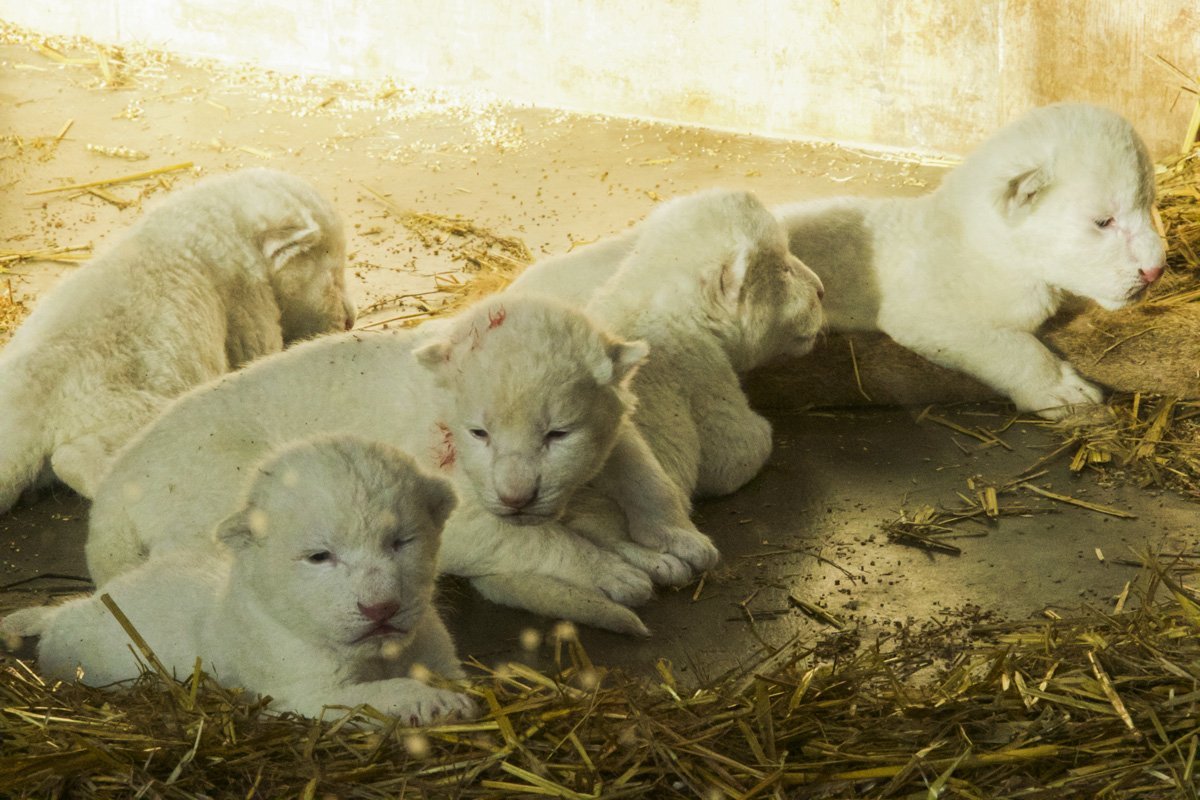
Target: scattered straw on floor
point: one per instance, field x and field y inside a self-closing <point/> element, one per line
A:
<point x="487" y="261"/>
<point x="12" y="311"/>
<point x="1102" y="704"/>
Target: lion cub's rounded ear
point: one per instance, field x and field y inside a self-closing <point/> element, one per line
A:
<point x="433" y="354"/>
<point x="236" y="531"/>
<point x="438" y="497"/>
<point x="622" y="360"/>
<point x="1022" y="191"/>
<point x="290" y="238"/>
<point x="733" y="274"/>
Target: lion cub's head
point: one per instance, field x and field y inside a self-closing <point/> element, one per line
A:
<point x="303" y="244"/>
<point x="1069" y="189"/>
<point x="337" y="539"/>
<point x="720" y="258"/>
<point x="534" y="396"/>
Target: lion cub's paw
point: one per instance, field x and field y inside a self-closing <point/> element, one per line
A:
<point x="693" y="547"/>
<point x="622" y="582"/>
<point x="439" y="705"/>
<point x="683" y="541"/>
<point x="664" y="569"/>
<point x="1058" y="400"/>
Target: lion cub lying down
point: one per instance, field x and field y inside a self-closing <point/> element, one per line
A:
<point x="1059" y="201"/>
<point x="708" y="282"/>
<point x="519" y="400"/>
<point x="213" y="277"/>
<point x="322" y="594"/>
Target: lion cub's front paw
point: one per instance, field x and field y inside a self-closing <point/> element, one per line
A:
<point x="440" y="705"/>
<point x="693" y="547"/>
<point x="1056" y="401"/>
<point x="664" y="569"/>
<point x="683" y="541"/>
<point x="622" y="582"/>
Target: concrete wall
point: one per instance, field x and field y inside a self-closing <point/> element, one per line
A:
<point x="909" y="74"/>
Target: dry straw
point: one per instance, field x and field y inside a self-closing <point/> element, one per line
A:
<point x="1103" y="704"/>
<point x="1152" y="440"/>
<point x="487" y="261"/>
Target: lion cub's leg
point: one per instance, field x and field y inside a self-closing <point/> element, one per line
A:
<point x="735" y="442"/>
<point x="598" y="519"/>
<point x="656" y="509"/>
<point x="558" y="599"/>
<point x="81" y="462"/>
<point x="1011" y="361"/>
<point x="543" y="568"/>
<point x="411" y="700"/>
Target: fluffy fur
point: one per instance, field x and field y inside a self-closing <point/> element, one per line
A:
<point x="707" y="280"/>
<point x="321" y="594"/>
<point x="519" y="400"/>
<point x="215" y="276"/>
<point x="1057" y="202"/>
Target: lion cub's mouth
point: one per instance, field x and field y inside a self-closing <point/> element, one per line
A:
<point x="525" y="517"/>
<point x="383" y="629"/>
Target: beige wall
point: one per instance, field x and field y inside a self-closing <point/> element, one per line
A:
<point x="918" y="75"/>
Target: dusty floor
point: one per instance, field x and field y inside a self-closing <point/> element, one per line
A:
<point x="807" y="529"/>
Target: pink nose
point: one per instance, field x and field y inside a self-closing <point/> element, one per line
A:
<point x="518" y="501"/>
<point x="380" y="612"/>
<point x="1152" y="274"/>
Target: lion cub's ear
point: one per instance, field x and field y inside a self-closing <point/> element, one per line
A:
<point x="621" y="360"/>
<point x="290" y="238"/>
<point x="733" y="275"/>
<point x="1022" y="191"/>
<point x="236" y="531"/>
<point x="434" y="354"/>
<point x="438" y="497"/>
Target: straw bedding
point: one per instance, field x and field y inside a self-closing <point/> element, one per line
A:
<point x="1100" y="705"/>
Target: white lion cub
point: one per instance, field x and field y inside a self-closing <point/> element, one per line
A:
<point x="519" y="400"/>
<point x="708" y="282"/>
<point x="213" y="277"/>
<point x="1058" y="201"/>
<point x="321" y="595"/>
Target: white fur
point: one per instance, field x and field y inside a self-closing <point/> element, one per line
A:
<point x="516" y="371"/>
<point x="322" y="593"/>
<point x="966" y="274"/>
<point x="213" y="277"/>
<point x="708" y="282"/>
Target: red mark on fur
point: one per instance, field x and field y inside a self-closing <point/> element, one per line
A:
<point x="496" y="318"/>
<point x="444" y="453"/>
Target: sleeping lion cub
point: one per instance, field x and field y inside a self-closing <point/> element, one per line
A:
<point x="212" y="277"/>
<point x="520" y="401"/>
<point x="708" y="282"/>
<point x="321" y="595"/>
<point x="1059" y="201"/>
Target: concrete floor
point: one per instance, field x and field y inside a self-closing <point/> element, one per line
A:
<point x="808" y="527"/>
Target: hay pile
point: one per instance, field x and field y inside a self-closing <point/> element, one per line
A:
<point x="1101" y="705"/>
